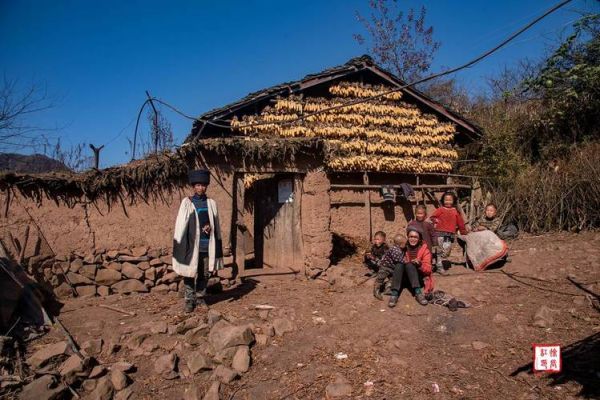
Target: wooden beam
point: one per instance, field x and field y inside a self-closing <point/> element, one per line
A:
<point x="239" y="246"/>
<point x="367" y="204"/>
<point x="416" y="187"/>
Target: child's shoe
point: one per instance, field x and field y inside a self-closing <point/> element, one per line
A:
<point x="420" y="297"/>
<point x="393" y="301"/>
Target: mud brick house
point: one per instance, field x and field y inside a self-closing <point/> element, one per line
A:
<point x="293" y="167"/>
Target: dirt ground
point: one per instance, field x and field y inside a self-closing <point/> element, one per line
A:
<point x="408" y="352"/>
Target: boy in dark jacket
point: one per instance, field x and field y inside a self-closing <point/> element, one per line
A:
<point x="423" y="226"/>
<point x="392" y="257"/>
<point x="378" y="249"/>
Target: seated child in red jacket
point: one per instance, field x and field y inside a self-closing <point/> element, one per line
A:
<point x="446" y="221"/>
<point x="378" y="249"/>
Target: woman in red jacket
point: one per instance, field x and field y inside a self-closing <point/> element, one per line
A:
<point x="417" y="268"/>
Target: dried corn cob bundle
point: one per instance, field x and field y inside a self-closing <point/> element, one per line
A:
<point x="344" y="89"/>
<point x="382" y="134"/>
<point x="387" y="164"/>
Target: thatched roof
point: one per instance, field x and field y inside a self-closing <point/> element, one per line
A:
<point x="361" y="68"/>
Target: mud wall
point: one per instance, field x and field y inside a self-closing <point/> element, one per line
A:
<point x="85" y="227"/>
<point x="349" y="217"/>
<point x="316" y="233"/>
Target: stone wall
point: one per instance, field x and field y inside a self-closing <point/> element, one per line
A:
<point x="106" y="272"/>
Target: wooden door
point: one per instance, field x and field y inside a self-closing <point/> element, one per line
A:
<point x="278" y="236"/>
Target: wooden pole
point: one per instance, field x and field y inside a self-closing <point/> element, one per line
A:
<point x="239" y="226"/>
<point x="155" y="123"/>
<point x="96" y="151"/>
<point x="368" y="204"/>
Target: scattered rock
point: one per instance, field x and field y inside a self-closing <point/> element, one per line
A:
<point x="158" y="327"/>
<point x="223" y="335"/>
<point x="150" y="274"/>
<point x="225" y="356"/>
<point x="262" y="340"/>
<point x="115" y="266"/>
<point x="97" y="371"/>
<point x="543" y="317"/>
<point x="133" y="259"/>
<point x="283" y="326"/>
<point x="89" y="271"/>
<point x="125" y="394"/>
<point x="167" y="260"/>
<point x="213" y="316"/>
<point x="86" y="290"/>
<point x="103" y="290"/>
<point x="225" y="375"/>
<point x="112" y="253"/>
<point x="188" y="324"/>
<point x="477" y="345"/>
<point x="43" y="355"/>
<point x="198" y="362"/>
<point x="166" y="366"/>
<point x="72" y="367"/>
<point x="77" y="279"/>
<point x="43" y="388"/>
<point x="129" y="286"/>
<point x="155" y="262"/>
<point x="63" y="290"/>
<point x="213" y="391"/>
<point x="139" y="251"/>
<point x="197" y="335"/>
<point x="338" y="388"/>
<point x="92" y="347"/>
<point x="160" y="288"/>
<point x="104" y="389"/>
<point x="192" y="392"/>
<point x="75" y="265"/>
<point x="500" y="319"/>
<point x="118" y="379"/>
<point x="241" y="359"/>
<point x="144" y="265"/>
<point x="170" y="277"/>
<point x="88" y="385"/>
<point x="123" y="366"/>
<point x="108" y="277"/>
<point x="136" y="339"/>
<point x="131" y="271"/>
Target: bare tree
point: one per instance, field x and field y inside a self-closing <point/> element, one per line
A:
<point x="73" y="156"/>
<point x="161" y="132"/>
<point x="16" y="108"/>
<point x="399" y="41"/>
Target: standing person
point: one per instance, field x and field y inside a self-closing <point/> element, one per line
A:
<point x="446" y="220"/>
<point x="416" y="266"/>
<point x="197" y="248"/>
<point x="378" y="249"/>
<point x="425" y="227"/>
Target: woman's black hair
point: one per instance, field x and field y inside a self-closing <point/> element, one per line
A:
<point x="449" y="193"/>
<point x="414" y="229"/>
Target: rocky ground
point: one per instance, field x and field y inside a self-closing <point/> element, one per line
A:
<point x="288" y="338"/>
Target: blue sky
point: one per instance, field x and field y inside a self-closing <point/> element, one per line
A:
<point x="96" y="58"/>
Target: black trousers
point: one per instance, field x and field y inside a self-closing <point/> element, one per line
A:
<point x="409" y="270"/>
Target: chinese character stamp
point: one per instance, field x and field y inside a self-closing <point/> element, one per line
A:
<point x="546" y="358"/>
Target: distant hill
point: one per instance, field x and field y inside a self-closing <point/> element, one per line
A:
<point x="32" y="164"/>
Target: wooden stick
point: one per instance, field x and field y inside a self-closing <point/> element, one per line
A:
<point x="131" y="314"/>
<point x="581" y="287"/>
<point x="24" y="246"/>
<point x="368" y="205"/>
<point x="70" y="339"/>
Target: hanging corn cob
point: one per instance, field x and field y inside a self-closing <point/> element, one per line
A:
<point x="381" y="134"/>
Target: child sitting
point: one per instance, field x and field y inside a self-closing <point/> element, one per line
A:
<point x="425" y="227"/>
<point x="416" y="266"/>
<point x="446" y="220"/>
<point x="390" y="259"/>
<point x="378" y="249"/>
<point x="489" y="220"/>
